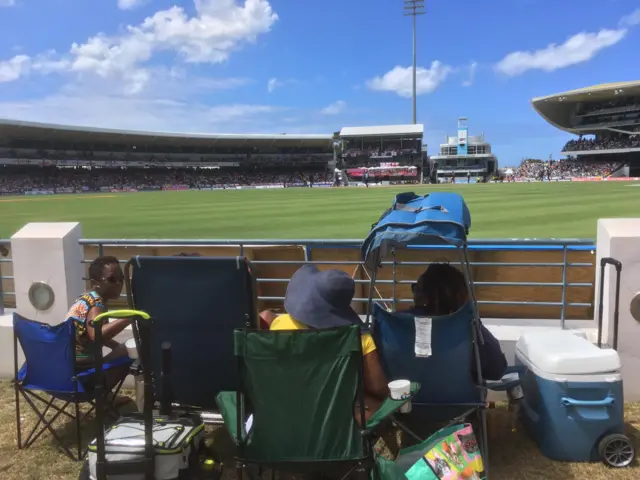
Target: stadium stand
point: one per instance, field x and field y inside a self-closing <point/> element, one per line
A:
<point x="562" y="170"/>
<point x="606" y="119"/>
<point x="463" y="156"/>
<point x="613" y="143"/>
<point x="32" y="180"/>
<point x="43" y="158"/>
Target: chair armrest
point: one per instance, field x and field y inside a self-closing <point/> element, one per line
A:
<point x="228" y="406"/>
<point x="508" y="381"/>
<point x="106" y="366"/>
<point x="389" y="407"/>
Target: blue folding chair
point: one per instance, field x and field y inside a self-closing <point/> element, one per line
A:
<point x="50" y="369"/>
<point x="449" y="390"/>
<point x="446" y="376"/>
<point x="195" y="304"/>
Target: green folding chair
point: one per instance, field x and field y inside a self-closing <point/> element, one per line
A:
<point x="301" y="388"/>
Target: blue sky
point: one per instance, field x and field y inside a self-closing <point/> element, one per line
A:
<point x="310" y="66"/>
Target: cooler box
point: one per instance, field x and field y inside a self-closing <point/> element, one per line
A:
<point x="572" y="394"/>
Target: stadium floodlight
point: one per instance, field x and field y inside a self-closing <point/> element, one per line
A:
<point x="413" y="8"/>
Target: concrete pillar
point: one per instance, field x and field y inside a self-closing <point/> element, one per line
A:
<point x="48" y="253"/>
<point x="620" y="239"/>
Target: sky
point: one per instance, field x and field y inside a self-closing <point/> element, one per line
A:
<point x="311" y="66"/>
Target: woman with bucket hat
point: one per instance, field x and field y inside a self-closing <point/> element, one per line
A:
<point x="322" y="299"/>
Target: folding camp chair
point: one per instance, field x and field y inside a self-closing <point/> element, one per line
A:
<point x="449" y="390"/>
<point x="301" y="388"/>
<point x="195" y="304"/>
<point x="50" y="369"/>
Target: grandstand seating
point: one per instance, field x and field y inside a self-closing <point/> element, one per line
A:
<point x="613" y="143"/>
<point x="564" y="169"/>
<point x="35" y="179"/>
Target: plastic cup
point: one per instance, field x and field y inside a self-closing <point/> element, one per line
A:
<point x="131" y="348"/>
<point x="400" y="390"/>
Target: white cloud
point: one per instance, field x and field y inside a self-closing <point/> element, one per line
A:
<point x="335" y="108"/>
<point x="631" y="20"/>
<point x="130" y="4"/>
<point x="7" y="3"/>
<point x="148" y="113"/>
<point x="473" y="67"/>
<point x="273" y="83"/>
<point x="577" y="49"/>
<point x="400" y="79"/>
<point x="218" y="28"/>
<point x="14" y="68"/>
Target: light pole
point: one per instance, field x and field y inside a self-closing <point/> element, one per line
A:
<point x="413" y="8"/>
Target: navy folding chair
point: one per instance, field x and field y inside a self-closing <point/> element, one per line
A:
<point x="195" y="304"/>
<point x="449" y="390"/>
<point x="49" y="379"/>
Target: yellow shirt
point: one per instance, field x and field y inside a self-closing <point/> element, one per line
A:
<point x="287" y="322"/>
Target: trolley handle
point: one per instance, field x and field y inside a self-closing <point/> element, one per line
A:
<point x="572" y="402"/>
<point x="120" y="314"/>
<point x="611" y="261"/>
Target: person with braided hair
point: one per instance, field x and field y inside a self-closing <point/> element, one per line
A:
<point x="442" y="290"/>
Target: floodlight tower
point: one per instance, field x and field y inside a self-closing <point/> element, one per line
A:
<point x="413" y="8"/>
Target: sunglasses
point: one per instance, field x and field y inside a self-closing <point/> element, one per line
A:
<point x="113" y="279"/>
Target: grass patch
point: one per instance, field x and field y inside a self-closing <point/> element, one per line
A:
<point x="535" y="210"/>
<point x="512" y="454"/>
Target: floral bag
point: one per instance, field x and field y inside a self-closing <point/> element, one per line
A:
<point x="450" y="454"/>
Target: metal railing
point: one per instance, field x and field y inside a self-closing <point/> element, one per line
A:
<point x="308" y="246"/>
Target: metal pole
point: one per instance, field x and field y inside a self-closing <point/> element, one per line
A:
<point x="414" y="69"/>
<point x="414" y="8"/>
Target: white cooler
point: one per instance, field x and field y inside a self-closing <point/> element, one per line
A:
<point x="573" y="400"/>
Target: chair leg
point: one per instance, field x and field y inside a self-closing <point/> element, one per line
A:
<point x="78" y="431"/>
<point x="239" y="470"/>
<point x="18" y="422"/>
<point x="47" y="424"/>
<point x="42" y="420"/>
<point x="405" y="429"/>
<point x="485" y="442"/>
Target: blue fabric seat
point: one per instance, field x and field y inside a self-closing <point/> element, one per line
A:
<point x="446" y="376"/>
<point x="50" y="369"/>
<point x="449" y="392"/>
<point x="195" y="304"/>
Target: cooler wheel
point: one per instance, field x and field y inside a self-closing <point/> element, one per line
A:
<point x="616" y="450"/>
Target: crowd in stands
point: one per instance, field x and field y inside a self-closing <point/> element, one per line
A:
<point x="562" y="169"/>
<point x="389" y="151"/>
<point x="619" y="104"/>
<point x="18" y="180"/>
<point x="271" y="158"/>
<point x="626" y="141"/>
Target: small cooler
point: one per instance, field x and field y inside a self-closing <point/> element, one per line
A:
<point x="573" y="402"/>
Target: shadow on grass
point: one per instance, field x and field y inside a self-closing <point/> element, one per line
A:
<point x="513" y="455"/>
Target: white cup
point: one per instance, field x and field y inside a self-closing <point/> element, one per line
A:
<point x="401" y="389"/>
<point x="131" y="348"/>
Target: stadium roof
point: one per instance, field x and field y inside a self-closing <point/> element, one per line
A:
<point x="383" y="131"/>
<point x="19" y="130"/>
<point x="558" y="109"/>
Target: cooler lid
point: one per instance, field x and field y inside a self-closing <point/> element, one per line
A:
<point x="564" y="353"/>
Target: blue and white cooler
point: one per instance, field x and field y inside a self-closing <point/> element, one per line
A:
<point x="573" y="403"/>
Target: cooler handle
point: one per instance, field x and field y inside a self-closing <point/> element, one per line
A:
<point x="572" y="402"/>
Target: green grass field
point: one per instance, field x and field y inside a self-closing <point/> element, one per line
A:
<point x="498" y="211"/>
